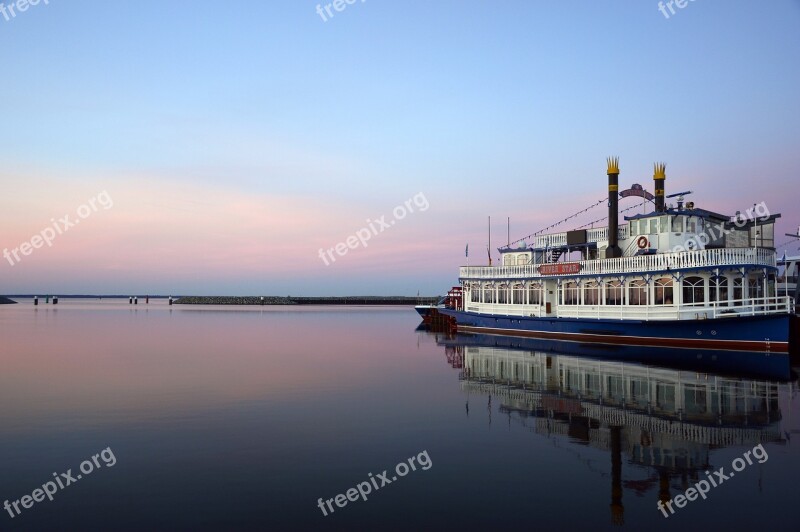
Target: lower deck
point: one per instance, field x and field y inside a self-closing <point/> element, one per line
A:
<point x="667" y="296"/>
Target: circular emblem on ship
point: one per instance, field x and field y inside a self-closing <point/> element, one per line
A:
<point x="642" y="242"/>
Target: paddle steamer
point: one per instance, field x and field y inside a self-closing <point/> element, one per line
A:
<point x="678" y="276"/>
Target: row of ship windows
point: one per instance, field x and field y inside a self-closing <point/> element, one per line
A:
<point x="637" y="292"/>
<point x="634" y="391"/>
<point x="509" y="259"/>
<point x="663" y="224"/>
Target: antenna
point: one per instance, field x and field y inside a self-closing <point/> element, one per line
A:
<point x="686" y="193"/>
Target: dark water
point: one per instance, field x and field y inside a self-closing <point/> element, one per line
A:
<point x="241" y="419"/>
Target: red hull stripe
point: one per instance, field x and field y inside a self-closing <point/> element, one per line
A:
<point x="684" y="343"/>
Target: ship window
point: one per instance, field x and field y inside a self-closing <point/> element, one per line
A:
<point x="768" y="236"/>
<point x="720" y="232"/>
<point x="637" y="292"/>
<point x="677" y="224"/>
<point x="615" y="388"/>
<point x="663" y="293"/>
<point x="653" y="226"/>
<point x="475" y="293"/>
<point x="591" y="293"/>
<point x="488" y="294"/>
<point x="634" y="227"/>
<point x="518" y="294"/>
<point x="763" y="236"/>
<point x="693" y="290"/>
<point x="535" y="294"/>
<point x="695" y="400"/>
<point x="691" y="225"/>
<point x="502" y="294"/>
<point x="569" y="293"/>
<point x="522" y="259"/>
<point x="614" y="293"/>
<point x="664" y="224"/>
<point x="665" y="396"/>
<point x="755" y="288"/>
<point x="508" y="259"/>
<point x="738" y="292"/>
<point x="718" y="290"/>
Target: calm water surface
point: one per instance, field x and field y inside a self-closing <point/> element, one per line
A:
<point x="242" y="418"/>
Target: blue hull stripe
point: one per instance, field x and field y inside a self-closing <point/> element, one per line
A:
<point x="748" y="333"/>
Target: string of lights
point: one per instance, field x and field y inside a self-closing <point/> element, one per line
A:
<point x="540" y="231"/>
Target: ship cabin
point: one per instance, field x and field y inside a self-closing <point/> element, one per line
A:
<point x="675" y="262"/>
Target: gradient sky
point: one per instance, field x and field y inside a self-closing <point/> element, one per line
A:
<point x="236" y="139"/>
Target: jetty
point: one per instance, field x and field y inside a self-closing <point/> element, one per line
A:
<point x="291" y="300"/>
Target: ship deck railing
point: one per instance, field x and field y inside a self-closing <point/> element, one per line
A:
<point x="684" y="260"/>
<point x="624" y="416"/>
<point x="732" y="309"/>
<point x="709" y="310"/>
<point x="558" y="240"/>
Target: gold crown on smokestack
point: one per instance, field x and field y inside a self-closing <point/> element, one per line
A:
<point x="659" y="171"/>
<point x="613" y="165"/>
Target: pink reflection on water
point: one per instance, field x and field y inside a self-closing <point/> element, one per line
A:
<point x="97" y="360"/>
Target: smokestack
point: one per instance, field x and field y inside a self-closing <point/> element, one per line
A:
<point x="613" y="249"/>
<point x="659" y="175"/>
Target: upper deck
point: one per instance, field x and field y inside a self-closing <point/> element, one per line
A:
<point x="685" y="260"/>
<point x="658" y="232"/>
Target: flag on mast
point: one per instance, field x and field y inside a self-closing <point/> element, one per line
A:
<point x="466" y="251"/>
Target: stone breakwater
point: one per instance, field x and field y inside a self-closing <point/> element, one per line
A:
<point x="276" y="300"/>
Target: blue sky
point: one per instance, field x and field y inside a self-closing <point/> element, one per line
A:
<point x="489" y="108"/>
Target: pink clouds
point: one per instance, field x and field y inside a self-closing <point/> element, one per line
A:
<point x="166" y="234"/>
<point x="162" y="230"/>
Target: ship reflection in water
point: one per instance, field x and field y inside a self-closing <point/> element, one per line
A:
<point x="667" y="421"/>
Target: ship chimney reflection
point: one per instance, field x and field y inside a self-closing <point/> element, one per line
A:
<point x="666" y="421"/>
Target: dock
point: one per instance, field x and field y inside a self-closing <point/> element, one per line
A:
<point x="290" y="300"/>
